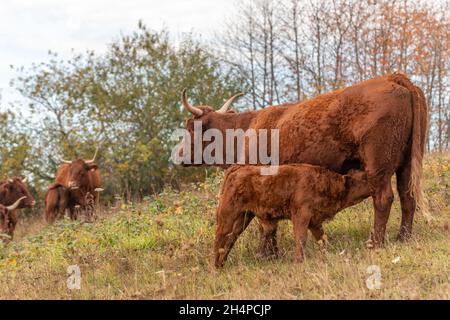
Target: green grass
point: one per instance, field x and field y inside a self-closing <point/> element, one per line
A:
<point x="160" y="249"/>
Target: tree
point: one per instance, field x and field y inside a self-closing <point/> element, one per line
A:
<point x="292" y="50"/>
<point x="126" y="102"/>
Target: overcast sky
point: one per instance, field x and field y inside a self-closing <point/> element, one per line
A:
<point x="29" y="28"/>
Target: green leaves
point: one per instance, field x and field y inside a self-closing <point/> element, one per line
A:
<point x="125" y="101"/>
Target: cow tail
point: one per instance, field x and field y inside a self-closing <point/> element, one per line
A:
<point x="418" y="138"/>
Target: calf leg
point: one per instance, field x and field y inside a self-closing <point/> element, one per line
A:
<point x="407" y="202"/>
<point x="229" y="227"/>
<point x="300" y="220"/>
<point x="268" y="243"/>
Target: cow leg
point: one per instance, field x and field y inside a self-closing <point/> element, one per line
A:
<point x="50" y="214"/>
<point x="73" y="213"/>
<point x="300" y="220"/>
<point x="13" y="218"/>
<point x="64" y="201"/>
<point x="382" y="202"/>
<point x="407" y="202"/>
<point x="229" y="227"/>
<point x="61" y="211"/>
<point x="268" y="243"/>
<point x="380" y="165"/>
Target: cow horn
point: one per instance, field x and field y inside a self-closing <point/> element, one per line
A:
<point x="194" y="110"/>
<point x="93" y="159"/>
<point x="15" y="204"/>
<point x="228" y="103"/>
<point x="10" y="180"/>
<point x="24" y="180"/>
<point x="66" y="161"/>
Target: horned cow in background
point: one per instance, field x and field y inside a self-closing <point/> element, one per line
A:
<point x="14" y="195"/>
<point x="75" y="181"/>
<point x="8" y="220"/>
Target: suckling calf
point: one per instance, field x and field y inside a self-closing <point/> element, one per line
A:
<point x="308" y="195"/>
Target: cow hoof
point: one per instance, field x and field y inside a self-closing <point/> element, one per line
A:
<point x="374" y="245"/>
<point x="402" y="237"/>
<point x="369" y="244"/>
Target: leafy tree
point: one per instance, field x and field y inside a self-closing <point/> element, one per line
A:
<point x="14" y="147"/>
<point x="126" y="102"/>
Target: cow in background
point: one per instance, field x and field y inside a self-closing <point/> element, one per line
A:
<point x="75" y="182"/>
<point x="14" y="195"/>
<point x="8" y="220"/>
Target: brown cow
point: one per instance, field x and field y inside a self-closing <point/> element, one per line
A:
<point x="14" y="188"/>
<point x="378" y="125"/>
<point x="8" y="220"/>
<point x="74" y="180"/>
<point x="11" y="190"/>
<point x="308" y="195"/>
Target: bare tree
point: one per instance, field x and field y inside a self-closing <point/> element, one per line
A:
<point x="295" y="49"/>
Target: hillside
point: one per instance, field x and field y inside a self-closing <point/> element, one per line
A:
<point x="160" y="249"/>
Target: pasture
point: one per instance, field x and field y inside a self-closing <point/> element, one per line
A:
<point x="161" y="248"/>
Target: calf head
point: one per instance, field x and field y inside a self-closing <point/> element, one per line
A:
<point x="78" y="173"/>
<point x="357" y="187"/>
<point x="13" y="189"/>
<point x="210" y="119"/>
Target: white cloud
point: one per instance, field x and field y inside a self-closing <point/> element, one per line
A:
<point x="28" y="29"/>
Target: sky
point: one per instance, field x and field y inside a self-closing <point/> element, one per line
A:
<point x="30" y="28"/>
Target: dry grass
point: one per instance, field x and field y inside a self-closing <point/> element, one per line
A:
<point x="160" y="249"/>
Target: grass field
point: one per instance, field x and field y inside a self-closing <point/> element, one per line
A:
<point x="160" y="249"/>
